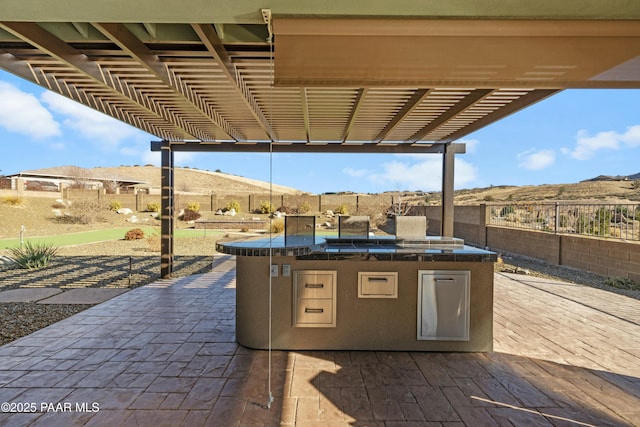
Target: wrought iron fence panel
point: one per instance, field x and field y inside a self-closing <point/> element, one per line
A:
<point x="619" y="220"/>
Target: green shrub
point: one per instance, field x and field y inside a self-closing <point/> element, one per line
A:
<point x="13" y="201"/>
<point x="134" y="234"/>
<point x="115" y="205"/>
<point x="193" y="206"/>
<point x="153" y="207"/>
<point x="342" y="209"/>
<point x="265" y="207"/>
<point x="507" y="210"/>
<point x="233" y="204"/>
<point x="190" y="215"/>
<point x="623" y="283"/>
<point x="563" y="221"/>
<point x="33" y="255"/>
<point x="585" y="225"/>
<point x="603" y="220"/>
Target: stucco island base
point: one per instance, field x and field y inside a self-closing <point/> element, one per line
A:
<point x="385" y="324"/>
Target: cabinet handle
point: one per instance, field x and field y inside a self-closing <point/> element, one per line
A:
<point x="443" y="279"/>
<point x="378" y="279"/>
<point x="313" y="285"/>
<point x="314" y="310"/>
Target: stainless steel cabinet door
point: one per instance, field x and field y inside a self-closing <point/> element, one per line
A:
<point x="443" y="305"/>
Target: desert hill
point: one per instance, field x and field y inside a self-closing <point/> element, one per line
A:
<point x="189" y="180"/>
<point x="585" y="191"/>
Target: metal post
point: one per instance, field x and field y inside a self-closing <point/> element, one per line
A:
<point x="166" y="211"/>
<point x="448" y="158"/>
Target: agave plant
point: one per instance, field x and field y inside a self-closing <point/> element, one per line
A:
<point x="33" y="255"/>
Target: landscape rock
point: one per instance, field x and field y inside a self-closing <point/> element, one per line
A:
<point x="124" y="211"/>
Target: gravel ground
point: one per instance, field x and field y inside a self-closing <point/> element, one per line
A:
<point x="523" y="265"/>
<point x="129" y="264"/>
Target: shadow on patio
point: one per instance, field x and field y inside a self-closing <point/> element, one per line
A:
<point x="165" y="354"/>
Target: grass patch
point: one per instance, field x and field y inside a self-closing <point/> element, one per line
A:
<point x="102" y="236"/>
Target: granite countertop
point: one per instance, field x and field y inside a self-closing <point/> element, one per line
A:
<point x="374" y="248"/>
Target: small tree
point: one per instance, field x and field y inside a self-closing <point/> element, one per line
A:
<point x="265" y="207"/>
<point x="153" y="207"/>
<point x="342" y="209"/>
<point x="79" y="176"/>
<point x="233" y="204"/>
<point x="193" y="206"/>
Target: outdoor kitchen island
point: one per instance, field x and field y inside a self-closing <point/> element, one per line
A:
<point x="372" y="293"/>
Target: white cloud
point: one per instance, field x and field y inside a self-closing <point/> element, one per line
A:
<point x="536" y="160"/>
<point x="183" y="158"/>
<point x="472" y="145"/>
<point x="151" y="158"/>
<point x="632" y="136"/>
<point x="424" y="175"/>
<point x="130" y="151"/>
<point x="154" y="158"/>
<point x="22" y="113"/>
<point x="587" y="145"/>
<point x="355" y="173"/>
<point x="98" y="129"/>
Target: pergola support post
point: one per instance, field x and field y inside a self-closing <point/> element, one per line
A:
<point x="448" y="161"/>
<point x="166" y="210"/>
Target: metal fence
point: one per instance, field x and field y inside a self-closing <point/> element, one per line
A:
<point x="620" y="221"/>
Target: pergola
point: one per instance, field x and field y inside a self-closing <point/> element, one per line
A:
<point x="307" y="76"/>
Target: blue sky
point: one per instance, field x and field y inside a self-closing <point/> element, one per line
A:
<point x="569" y="137"/>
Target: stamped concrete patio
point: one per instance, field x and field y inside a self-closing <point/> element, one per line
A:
<point x="165" y="355"/>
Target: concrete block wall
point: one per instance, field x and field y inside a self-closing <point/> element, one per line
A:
<point x="356" y="203"/>
<point x="607" y="257"/>
<point x="611" y="258"/>
<point x="534" y="244"/>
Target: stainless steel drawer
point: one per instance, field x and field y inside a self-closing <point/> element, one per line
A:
<point x="377" y="284"/>
<point x="314" y="298"/>
<point x="314" y="284"/>
<point x="315" y="312"/>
